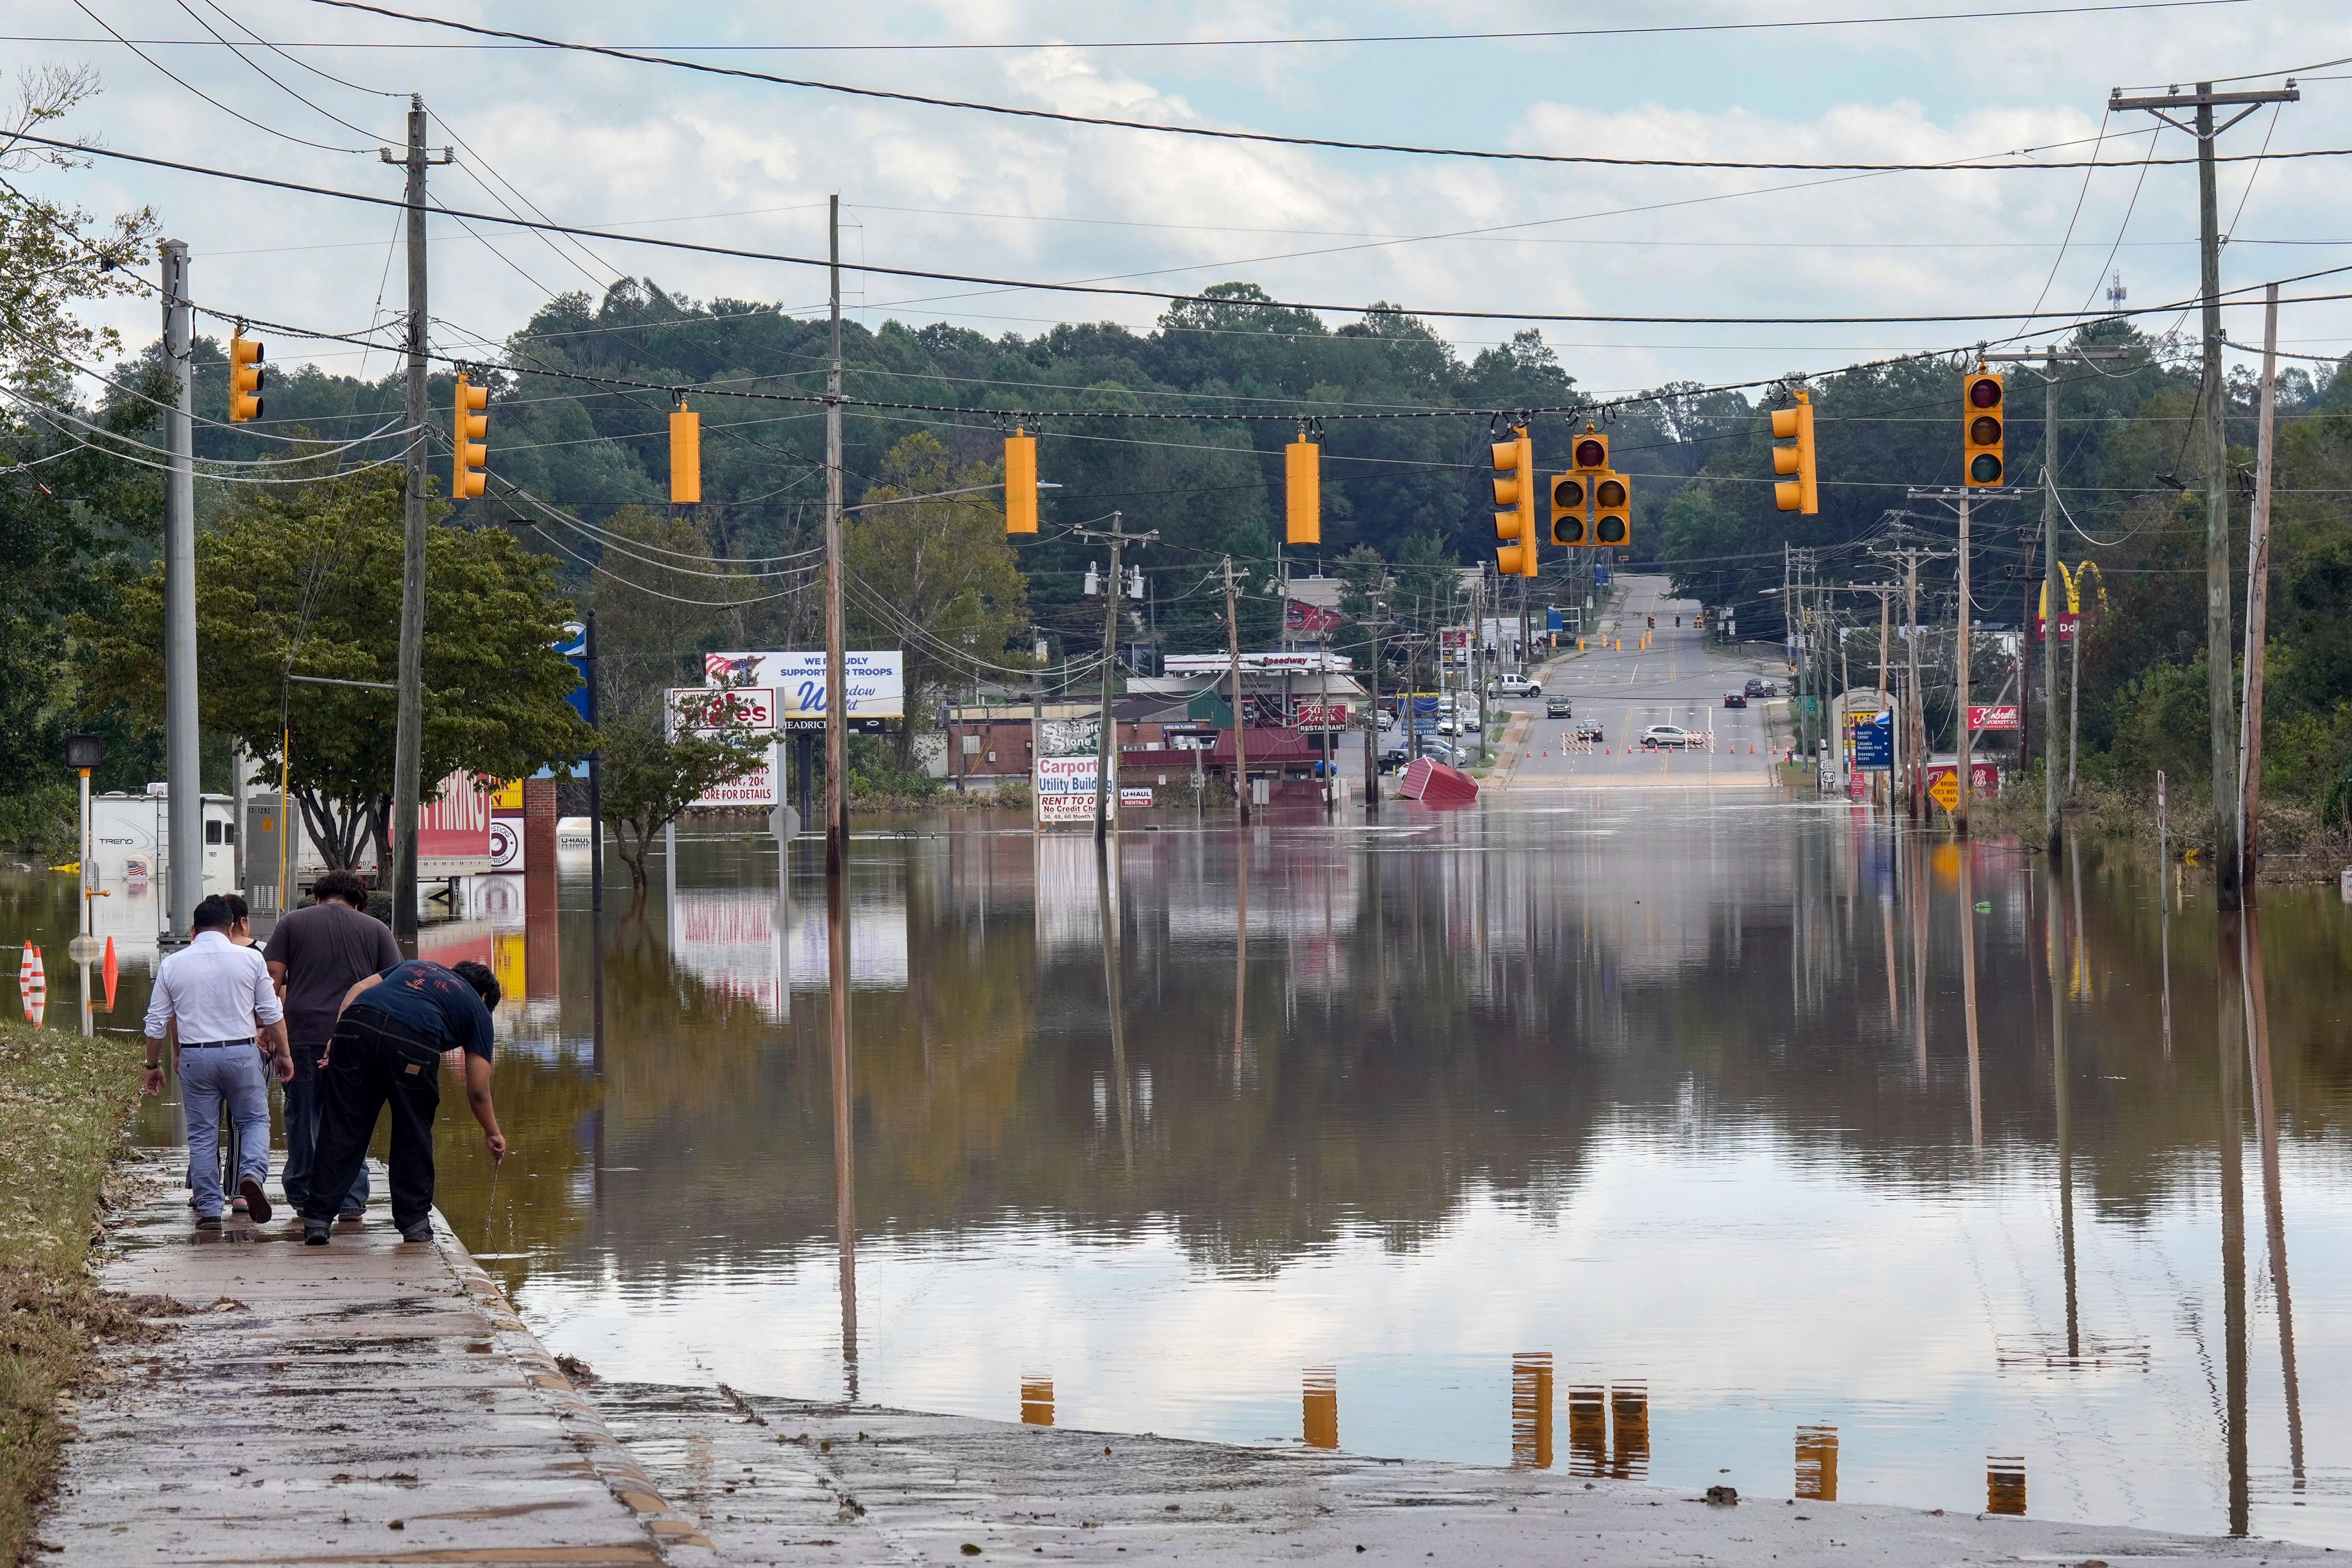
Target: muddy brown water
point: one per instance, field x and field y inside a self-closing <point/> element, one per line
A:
<point x="1646" y="1136"/>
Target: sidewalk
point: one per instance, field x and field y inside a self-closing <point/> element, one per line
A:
<point x="368" y="1402"/>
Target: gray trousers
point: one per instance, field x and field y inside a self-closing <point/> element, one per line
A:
<point x="230" y="1074"/>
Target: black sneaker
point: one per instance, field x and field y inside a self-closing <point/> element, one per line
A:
<point x="421" y="1231"/>
<point x="257" y="1202"/>
<point x="315" y="1232"/>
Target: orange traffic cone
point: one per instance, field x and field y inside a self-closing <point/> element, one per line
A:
<point x="25" y="966"/>
<point x="32" y="976"/>
<point x="108" y="970"/>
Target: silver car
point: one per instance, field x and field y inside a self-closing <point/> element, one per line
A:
<point x="1664" y="737"/>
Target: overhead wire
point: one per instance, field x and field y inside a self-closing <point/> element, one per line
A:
<point x="208" y="98"/>
<point x="256" y="67"/>
<point x="1017" y="111"/>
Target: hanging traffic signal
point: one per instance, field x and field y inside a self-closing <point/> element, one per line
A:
<point x="1588" y="453"/>
<point x="1568" y="494"/>
<point x="1020" y="482"/>
<point x="244" y="378"/>
<point x="1803" y="493"/>
<point x="1516" y="556"/>
<point x="1982" y="418"/>
<point x="1302" y="474"/>
<point x="472" y="430"/>
<point x="1613" y="506"/>
<point x="685" y="455"/>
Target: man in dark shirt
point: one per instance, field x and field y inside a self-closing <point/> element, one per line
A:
<point x="316" y="956"/>
<point x="387" y="1051"/>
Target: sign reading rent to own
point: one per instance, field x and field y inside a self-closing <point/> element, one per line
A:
<point x="1065" y="790"/>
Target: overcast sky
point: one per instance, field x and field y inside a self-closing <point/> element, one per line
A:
<point x="665" y="152"/>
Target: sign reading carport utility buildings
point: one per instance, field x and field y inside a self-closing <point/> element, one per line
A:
<point x="876" y="683"/>
<point x="1065" y="788"/>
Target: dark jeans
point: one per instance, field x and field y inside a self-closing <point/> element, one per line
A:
<point x="303" y="1096"/>
<point x="376" y="1063"/>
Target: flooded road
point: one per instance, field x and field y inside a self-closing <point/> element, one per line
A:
<point x="1700" y="1137"/>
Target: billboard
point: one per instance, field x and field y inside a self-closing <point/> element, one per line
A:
<point x="453" y="832"/>
<point x="875" y="681"/>
<point x="1065" y="790"/>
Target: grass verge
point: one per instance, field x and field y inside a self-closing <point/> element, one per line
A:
<point x="63" y="1102"/>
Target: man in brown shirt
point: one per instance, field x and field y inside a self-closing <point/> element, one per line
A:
<point x="316" y="956"/>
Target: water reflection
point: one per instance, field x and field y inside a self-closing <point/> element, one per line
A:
<point x="1817" y="1464"/>
<point x="1320" y="1407"/>
<point x="1037" y="1402"/>
<point x="1659" y="1089"/>
<point x="2005" y="1484"/>
<point x="1532" y="1410"/>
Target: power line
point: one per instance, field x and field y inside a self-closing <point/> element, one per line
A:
<point x="1163" y="295"/>
<point x="208" y="98"/>
<point x="1271" y="138"/>
<point x="255" y="66"/>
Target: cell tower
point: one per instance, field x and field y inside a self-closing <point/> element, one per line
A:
<point x="2116" y="292"/>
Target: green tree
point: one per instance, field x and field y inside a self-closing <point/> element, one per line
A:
<point x="304" y="580"/>
<point x="934" y="577"/>
<point x="650" y="780"/>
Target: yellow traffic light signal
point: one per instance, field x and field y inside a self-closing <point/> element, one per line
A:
<point x="244" y="378"/>
<point x="1020" y="482"/>
<point x="1302" y="473"/>
<point x="685" y="455"/>
<point x="1613" y="508"/>
<point x="1803" y="493"/>
<point x="1982" y="418"/>
<point x="1568" y="494"/>
<point x="467" y="479"/>
<point x="1516" y="556"/>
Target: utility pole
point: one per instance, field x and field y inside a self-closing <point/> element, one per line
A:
<point x="2257" y="592"/>
<point x="1967" y="775"/>
<point x="2049" y="359"/>
<point x="1915" y="721"/>
<point x="408" y="723"/>
<point x="1372" y="715"/>
<point x="1107" y="726"/>
<point x="1240" y="745"/>
<point x="184" y="878"/>
<point x="2213" y="395"/>
<point x="836" y="656"/>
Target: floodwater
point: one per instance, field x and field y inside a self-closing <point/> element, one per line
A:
<point x="1661" y="1136"/>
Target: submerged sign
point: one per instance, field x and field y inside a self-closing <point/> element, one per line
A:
<point x="1065" y="790"/>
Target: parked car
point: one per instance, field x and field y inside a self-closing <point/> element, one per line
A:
<point x="1588" y="730"/>
<point x="1513" y="686"/>
<point x="1735" y="699"/>
<point x="1760" y="689"/>
<point x="1387" y="720"/>
<point x="1467" y="721"/>
<point x="1664" y="737"/>
<point x="1556" y="708"/>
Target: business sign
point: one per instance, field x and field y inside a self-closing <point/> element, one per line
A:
<point x="1065" y="788"/>
<point x="1321" y="716"/>
<point x="1130" y="796"/>
<point x="876" y="683"/>
<point x="1273" y="663"/>
<point x="574" y="649"/>
<point x="455" y="825"/>
<point x="1300" y="618"/>
<point x="727" y="710"/>
<point x="2002" y="716"/>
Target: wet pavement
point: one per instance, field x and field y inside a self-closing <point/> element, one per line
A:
<point x="1684" y="1097"/>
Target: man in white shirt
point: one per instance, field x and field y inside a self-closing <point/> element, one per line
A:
<point x="215" y="992"/>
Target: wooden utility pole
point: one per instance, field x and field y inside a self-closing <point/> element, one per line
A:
<point x="2258" y="595"/>
<point x="408" y="722"/>
<point x="1106" y="728"/>
<point x="1241" y="744"/>
<point x="2214" y="398"/>
<point x="837" y="658"/>
<point x="183" y="873"/>
<point x="1967" y="775"/>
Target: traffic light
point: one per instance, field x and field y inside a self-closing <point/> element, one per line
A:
<point x="1983" y="418"/>
<point x="467" y="479"/>
<point x="1302" y="472"/>
<point x="685" y="455"/>
<point x="1568" y="494"/>
<point x="1516" y="556"/>
<point x="1020" y="482"/>
<point x="1613" y="506"/>
<point x="1589" y="454"/>
<point x="244" y="378"/>
<point x="1803" y="493"/>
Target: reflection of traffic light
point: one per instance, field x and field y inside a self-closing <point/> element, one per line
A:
<point x="685" y="455"/>
<point x="1982" y="417"/>
<point x="1319" y="1403"/>
<point x="1515" y="488"/>
<point x="1532" y="1410"/>
<point x="467" y="479"/>
<point x="1613" y="506"/>
<point x="1036" y="1402"/>
<point x="1803" y="493"/>
<point x="1568" y="494"/>
<point x="1020" y="483"/>
<point x="1302" y="472"/>
<point x="245" y="379"/>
